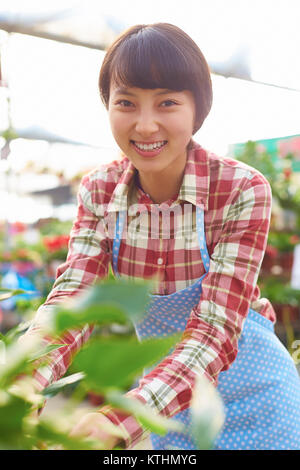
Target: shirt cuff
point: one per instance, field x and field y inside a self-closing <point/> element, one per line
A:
<point x="40" y="380"/>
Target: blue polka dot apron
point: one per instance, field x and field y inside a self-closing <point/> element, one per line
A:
<point x="260" y="390"/>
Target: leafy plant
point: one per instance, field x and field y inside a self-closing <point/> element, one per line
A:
<point x="278" y="171"/>
<point x="283" y="241"/>
<point x="279" y="293"/>
<point x="55" y="227"/>
<point x="120" y="361"/>
<point x="252" y="155"/>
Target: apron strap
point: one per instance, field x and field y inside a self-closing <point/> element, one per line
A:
<point x="121" y="218"/>
<point x="201" y="237"/>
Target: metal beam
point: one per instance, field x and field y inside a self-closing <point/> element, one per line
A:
<point x="21" y="29"/>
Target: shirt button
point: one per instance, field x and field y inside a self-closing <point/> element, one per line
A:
<point x="160" y="261"/>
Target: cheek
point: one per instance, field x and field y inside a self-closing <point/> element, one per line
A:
<point x="183" y="125"/>
<point x="117" y="124"/>
<point x="190" y="117"/>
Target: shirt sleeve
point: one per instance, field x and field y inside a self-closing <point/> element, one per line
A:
<point x="210" y="341"/>
<point x="88" y="259"/>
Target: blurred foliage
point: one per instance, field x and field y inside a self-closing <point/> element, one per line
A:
<point x="283" y="241"/>
<point x="120" y="361"/>
<point x="9" y="134"/>
<point x="253" y="156"/>
<point x="55" y="227"/>
<point x="51" y="243"/>
<point x="279" y="172"/>
<point x="279" y="293"/>
<point x="8" y="293"/>
<point x="42" y="252"/>
<point x="280" y="169"/>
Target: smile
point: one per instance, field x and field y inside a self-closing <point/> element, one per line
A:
<point x="147" y="149"/>
<point x="152" y="146"/>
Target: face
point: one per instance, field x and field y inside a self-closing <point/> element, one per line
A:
<point x="152" y="127"/>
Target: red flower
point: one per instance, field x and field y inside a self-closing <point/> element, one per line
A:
<point x="64" y="239"/>
<point x="17" y="227"/>
<point x="56" y="243"/>
<point x="287" y="173"/>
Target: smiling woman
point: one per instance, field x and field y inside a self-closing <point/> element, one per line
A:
<point x="156" y="86"/>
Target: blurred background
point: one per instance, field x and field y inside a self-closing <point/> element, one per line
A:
<point x="54" y="128"/>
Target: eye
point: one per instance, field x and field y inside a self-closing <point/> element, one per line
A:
<point x="168" y="103"/>
<point x="124" y="103"/>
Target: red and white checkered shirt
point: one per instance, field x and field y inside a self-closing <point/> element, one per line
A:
<point x="237" y="205"/>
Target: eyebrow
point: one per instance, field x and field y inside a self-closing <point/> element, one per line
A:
<point x="124" y="91"/>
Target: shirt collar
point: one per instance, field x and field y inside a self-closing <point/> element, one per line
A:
<point x="194" y="187"/>
<point x="195" y="183"/>
<point x="118" y="201"/>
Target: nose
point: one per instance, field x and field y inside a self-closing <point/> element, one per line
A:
<point x="146" y="123"/>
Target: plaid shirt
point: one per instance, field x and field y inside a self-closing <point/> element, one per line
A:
<point x="237" y="204"/>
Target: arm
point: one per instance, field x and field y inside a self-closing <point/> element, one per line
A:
<point x="87" y="260"/>
<point x="209" y="342"/>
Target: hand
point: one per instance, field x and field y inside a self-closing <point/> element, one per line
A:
<point x="98" y="427"/>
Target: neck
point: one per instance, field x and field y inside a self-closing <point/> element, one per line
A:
<point x="160" y="187"/>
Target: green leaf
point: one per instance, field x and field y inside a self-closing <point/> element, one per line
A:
<point x="104" y="303"/>
<point x="44" y="351"/>
<point x="207" y="413"/>
<point x="101" y="314"/>
<point x="13" y="332"/>
<point x="144" y="414"/>
<point x="3" y="338"/>
<point x="116" y="362"/>
<point x="58" y="386"/>
<point x="17" y="360"/>
<point x="47" y="433"/>
<point x="12" y="412"/>
<point x="130" y="296"/>
<point x="7" y="293"/>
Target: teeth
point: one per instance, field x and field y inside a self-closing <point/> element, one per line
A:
<point x="150" y="146"/>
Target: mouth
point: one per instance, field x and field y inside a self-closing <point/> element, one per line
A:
<point x="148" y="149"/>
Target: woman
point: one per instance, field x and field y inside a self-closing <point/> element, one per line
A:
<point x="197" y="222"/>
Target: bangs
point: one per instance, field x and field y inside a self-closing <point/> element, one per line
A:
<point x="150" y="61"/>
